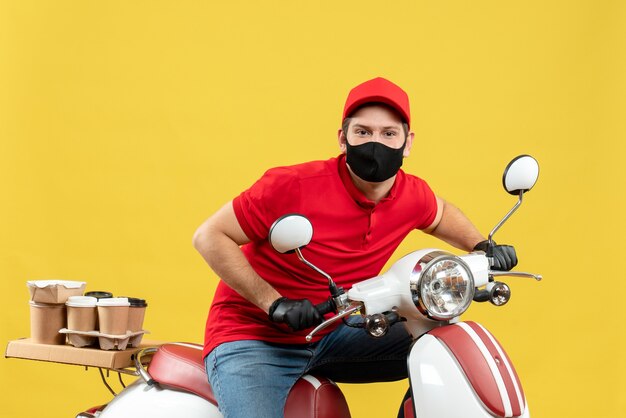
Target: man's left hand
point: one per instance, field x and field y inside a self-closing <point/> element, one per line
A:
<point x="504" y="256"/>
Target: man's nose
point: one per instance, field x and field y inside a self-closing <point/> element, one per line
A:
<point x="377" y="137"/>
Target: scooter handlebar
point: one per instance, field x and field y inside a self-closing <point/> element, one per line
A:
<point x="325" y="307"/>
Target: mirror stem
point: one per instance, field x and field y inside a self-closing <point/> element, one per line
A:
<point x="304" y="260"/>
<point x="506" y="217"/>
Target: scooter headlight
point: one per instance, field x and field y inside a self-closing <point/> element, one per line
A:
<point x="442" y="286"/>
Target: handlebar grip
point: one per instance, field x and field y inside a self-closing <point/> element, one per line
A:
<point x="325" y="307"/>
<point x="481" y="295"/>
<point x="393" y="317"/>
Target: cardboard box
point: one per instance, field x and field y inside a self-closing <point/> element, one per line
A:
<point x="54" y="291"/>
<point x="67" y="354"/>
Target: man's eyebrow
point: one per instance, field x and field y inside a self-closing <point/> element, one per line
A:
<point x="385" y="128"/>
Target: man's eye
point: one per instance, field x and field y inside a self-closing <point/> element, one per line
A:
<point x="361" y="132"/>
<point x="390" y="134"/>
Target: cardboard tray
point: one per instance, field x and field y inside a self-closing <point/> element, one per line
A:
<point x="67" y="354"/>
<point x="105" y="341"/>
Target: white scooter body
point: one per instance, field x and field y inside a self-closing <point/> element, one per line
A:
<point x="141" y="400"/>
<point x="439" y="381"/>
<point x="391" y="289"/>
<point x="441" y="387"/>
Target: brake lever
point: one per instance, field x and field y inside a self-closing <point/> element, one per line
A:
<point x="495" y="273"/>
<point x="353" y="307"/>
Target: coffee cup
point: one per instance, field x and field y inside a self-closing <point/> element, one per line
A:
<point x="136" y="314"/>
<point x="99" y="294"/>
<point x="113" y="315"/>
<point x="46" y="319"/>
<point x="82" y="313"/>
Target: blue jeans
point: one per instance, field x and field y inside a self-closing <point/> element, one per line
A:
<point x="253" y="378"/>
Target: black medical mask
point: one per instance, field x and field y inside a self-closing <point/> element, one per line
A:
<point x="373" y="161"/>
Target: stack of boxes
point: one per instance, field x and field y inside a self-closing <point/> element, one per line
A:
<point x="47" y="308"/>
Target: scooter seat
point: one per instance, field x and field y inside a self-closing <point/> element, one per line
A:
<point x="180" y="366"/>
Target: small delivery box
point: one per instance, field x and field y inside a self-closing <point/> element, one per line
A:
<point x="54" y="291"/>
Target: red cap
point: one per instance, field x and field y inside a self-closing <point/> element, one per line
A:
<point x="378" y="90"/>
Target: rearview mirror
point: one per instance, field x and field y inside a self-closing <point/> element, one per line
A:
<point x="290" y="232"/>
<point x="520" y="175"/>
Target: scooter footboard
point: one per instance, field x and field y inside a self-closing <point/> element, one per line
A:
<point x="460" y="370"/>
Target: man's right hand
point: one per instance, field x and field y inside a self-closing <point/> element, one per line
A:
<point x="298" y="314"/>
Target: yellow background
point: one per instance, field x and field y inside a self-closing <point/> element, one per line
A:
<point x="124" y="124"/>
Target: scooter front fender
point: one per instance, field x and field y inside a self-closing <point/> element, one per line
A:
<point x="142" y="400"/>
<point x="461" y="371"/>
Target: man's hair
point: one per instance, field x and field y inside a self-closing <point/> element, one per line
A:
<point x="346" y="122"/>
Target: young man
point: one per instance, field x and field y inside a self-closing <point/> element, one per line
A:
<point x="361" y="206"/>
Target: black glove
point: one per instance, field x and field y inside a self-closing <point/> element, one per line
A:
<point x="504" y="256"/>
<point x="299" y="314"/>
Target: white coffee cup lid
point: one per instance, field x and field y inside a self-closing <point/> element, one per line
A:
<point x="113" y="302"/>
<point x="81" y="301"/>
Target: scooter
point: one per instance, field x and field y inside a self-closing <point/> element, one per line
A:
<point x="456" y="368"/>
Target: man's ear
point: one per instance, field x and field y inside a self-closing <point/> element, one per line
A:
<point x="341" y="138"/>
<point x="409" y="144"/>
